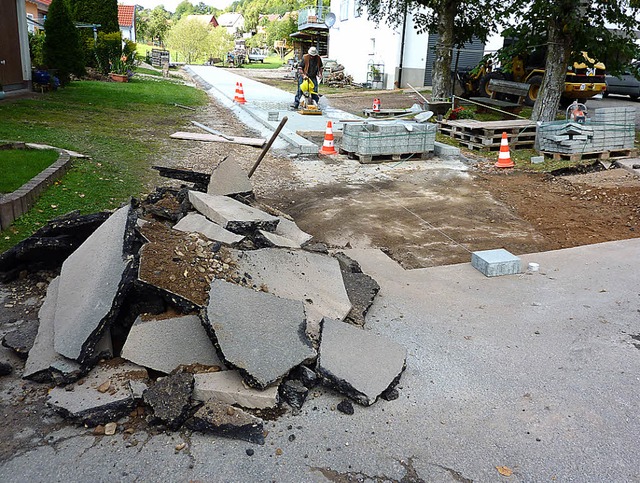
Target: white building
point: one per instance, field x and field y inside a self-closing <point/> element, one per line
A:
<point x="358" y="44"/>
<point x="232" y="22"/>
<point x="127" y="21"/>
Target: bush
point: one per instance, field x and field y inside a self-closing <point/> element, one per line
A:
<point x="107" y="49"/>
<point x="36" y="49"/>
<point x="62" y="50"/>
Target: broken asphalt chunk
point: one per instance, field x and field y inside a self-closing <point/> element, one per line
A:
<point x="221" y="419"/>
<point x="231" y="214"/>
<point x="267" y="240"/>
<point x="258" y="333"/>
<point x="228" y="179"/>
<point x="93" y="284"/>
<point x="164" y="344"/>
<point x="170" y="399"/>
<point x="359" y="364"/>
<point x="21" y="340"/>
<point x="294" y="393"/>
<point x="228" y="387"/>
<point x="289" y="230"/>
<point x="92" y="407"/>
<point x="197" y="223"/>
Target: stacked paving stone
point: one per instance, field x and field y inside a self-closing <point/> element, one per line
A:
<point x="263" y="337"/>
<point x="388" y="138"/>
<point x="610" y="129"/>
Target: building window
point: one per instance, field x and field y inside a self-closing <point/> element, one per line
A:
<point x="30" y="25"/>
<point x="344" y="10"/>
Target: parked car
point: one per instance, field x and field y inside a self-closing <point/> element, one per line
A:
<point x="626" y="84"/>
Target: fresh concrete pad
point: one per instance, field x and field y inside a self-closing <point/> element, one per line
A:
<point x="196" y="223"/>
<point x="313" y="278"/>
<point x="231" y="214"/>
<point x="104" y="396"/>
<point x="42" y="355"/>
<point x="260" y="334"/>
<point x="218" y="418"/>
<point x="228" y="387"/>
<point x="165" y="344"/>
<point x="270" y="240"/>
<point x="90" y="288"/>
<point x="358" y="363"/>
<point x="493" y="263"/>
<point x="170" y="399"/>
<point x="228" y="178"/>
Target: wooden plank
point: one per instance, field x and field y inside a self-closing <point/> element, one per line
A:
<point x="194" y="136"/>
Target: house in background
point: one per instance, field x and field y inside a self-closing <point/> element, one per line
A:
<point x="15" y="63"/>
<point x="36" y="13"/>
<point x="207" y="20"/>
<point x="386" y="57"/>
<point x="232" y="21"/>
<point x="127" y="21"/>
<point x="313" y="30"/>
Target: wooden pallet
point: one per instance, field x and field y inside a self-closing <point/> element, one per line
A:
<point x="479" y="135"/>
<point x="381" y="158"/>
<point x="600" y="155"/>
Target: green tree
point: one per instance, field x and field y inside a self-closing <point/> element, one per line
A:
<point x="62" y="49"/>
<point x="567" y="28"/>
<point x="455" y="21"/>
<point x="183" y="9"/>
<point x="101" y="12"/>
<point x="158" y="24"/>
<point x="142" y="23"/>
<point x="189" y="37"/>
<point x="218" y="43"/>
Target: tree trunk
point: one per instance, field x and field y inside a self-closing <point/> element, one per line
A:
<point x="558" y="53"/>
<point x="441" y="80"/>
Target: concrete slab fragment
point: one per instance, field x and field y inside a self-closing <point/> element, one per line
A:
<point x="313" y="278"/>
<point x="258" y="333"/>
<point x="493" y="263"/>
<point x="163" y="345"/>
<point x="104" y="396"/>
<point x="194" y="222"/>
<point x="228" y="387"/>
<point x="90" y="288"/>
<point x="358" y="363"/>
<point x="270" y="240"/>
<point x="229" y="179"/>
<point x="291" y="231"/>
<point x="221" y="419"/>
<point x="170" y="398"/>
<point x="231" y="214"/>
<point x="21" y="340"/>
<point x="43" y="356"/>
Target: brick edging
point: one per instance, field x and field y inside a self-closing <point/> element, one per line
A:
<point x="16" y="204"/>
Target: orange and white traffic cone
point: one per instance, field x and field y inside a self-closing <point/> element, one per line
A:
<point x="235" y="96"/>
<point x="240" y="96"/>
<point x="376" y="105"/>
<point x="327" y="146"/>
<point x="504" y="157"/>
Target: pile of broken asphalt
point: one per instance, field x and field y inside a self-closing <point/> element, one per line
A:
<point x="198" y="309"/>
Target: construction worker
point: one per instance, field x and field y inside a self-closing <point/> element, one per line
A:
<point x="310" y="67"/>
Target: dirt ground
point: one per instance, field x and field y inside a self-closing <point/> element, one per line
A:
<point x="426" y="213"/>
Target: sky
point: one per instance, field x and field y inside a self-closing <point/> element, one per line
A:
<point x="170" y="5"/>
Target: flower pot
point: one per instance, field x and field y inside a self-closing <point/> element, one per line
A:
<point x="119" y="77"/>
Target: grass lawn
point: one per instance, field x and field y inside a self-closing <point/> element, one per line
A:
<point x="18" y="166"/>
<point x="123" y="127"/>
<point x="271" y="62"/>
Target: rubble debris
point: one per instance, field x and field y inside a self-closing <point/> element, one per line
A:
<point x="305" y="375"/>
<point x="181" y="266"/>
<point x="200" y="180"/>
<point x="264" y="239"/>
<point x="312" y="278"/>
<point x="317" y="247"/>
<point x="91" y="407"/>
<point x="231" y="214"/>
<point x="290" y="230"/>
<point x="196" y="223"/>
<point x="390" y="394"/>
<point x="167" y="203"/>
<point x="48" y="247"/>
<point x="228" y="387"/>
<point x="294" y="393"/>
<point x="229" y="179"/>
<point x="164" y="344"/>
<point x="357" y="363"/>
<point x="261" y="335"/>
<point x="110" y="429"/>
<point x="170" y="399"/>
<point x="43" y="357"/>
<point x="137" y="388"/>
<point x="345" y="407"/>
<point x="93" y="283"/>
<point x="21" y="340"/>
<point x="223" y="420"/>
<point x="5" y="369"/>
<point x="361" y="289"/>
